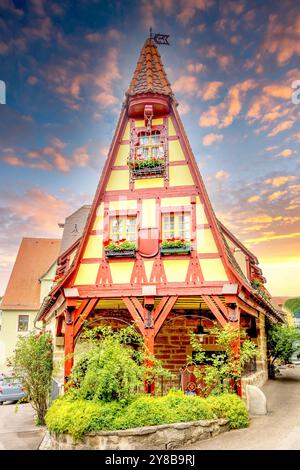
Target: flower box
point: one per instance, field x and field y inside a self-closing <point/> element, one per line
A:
<point x="175" y="247"/>
<point x="141" y="172"/>
<point x="176" y="251"/>
<point x="120" y="254"/>
<point x="120" y="248"/>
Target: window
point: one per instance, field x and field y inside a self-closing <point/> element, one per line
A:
<point x="176" y="225"/>
<point x="23" y="321"/>
<point x="149" y="146"/>
<point x="123" y="228"/>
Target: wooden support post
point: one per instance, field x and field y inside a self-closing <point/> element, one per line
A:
<point x="69" y="343"/>
<point x="236" y="348"/>
<point x="149" y="343"/>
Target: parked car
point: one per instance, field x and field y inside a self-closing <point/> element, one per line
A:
<point x="11" y="389"/>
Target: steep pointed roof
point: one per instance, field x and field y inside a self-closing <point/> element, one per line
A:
<point x="150" y="75"/>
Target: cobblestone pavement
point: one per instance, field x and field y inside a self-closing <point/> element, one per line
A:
<point x="17" y="429"/>
<point x="278" y="430"/>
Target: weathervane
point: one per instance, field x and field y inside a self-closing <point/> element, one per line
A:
<point x="160" y="38"/>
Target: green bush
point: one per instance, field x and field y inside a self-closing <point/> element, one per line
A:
<point x="231" y="407"/>
<point x="78" y="417"/>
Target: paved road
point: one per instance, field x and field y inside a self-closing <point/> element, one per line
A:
<point x="17" y="430"/>
<point x="278" y="430"/>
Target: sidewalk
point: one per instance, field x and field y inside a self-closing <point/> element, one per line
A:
<point x="17" y="429"/>
<point x="278" y="430"/>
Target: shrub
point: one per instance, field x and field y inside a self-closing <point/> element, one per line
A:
<point x="282" y="343"/>
<point x="33" y="363"/>
<point x="78" y="417"/>
<point x="111" y="368"/>
<point x="231" y="407"/>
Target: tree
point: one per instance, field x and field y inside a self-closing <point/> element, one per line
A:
<point x="33" y="363"/>
<point x="223" y="369"/>
<point x="281" y="344"/>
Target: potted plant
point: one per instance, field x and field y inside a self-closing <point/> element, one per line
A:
<point x="119" y="248"/>
<point x="57" y="278"/>
<point x="177" y="246"/>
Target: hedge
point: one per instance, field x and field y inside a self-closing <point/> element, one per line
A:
<point x="78" y="417"/>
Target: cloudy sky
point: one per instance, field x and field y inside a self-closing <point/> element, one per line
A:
<point x="231" y="64"/>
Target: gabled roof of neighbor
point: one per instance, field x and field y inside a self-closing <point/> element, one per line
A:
<point x="34" y="258"/>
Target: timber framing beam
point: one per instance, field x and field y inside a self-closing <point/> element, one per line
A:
<point x="158" y="315"/>
<point x="82" y="313"/>
<point x="215" y="310"/>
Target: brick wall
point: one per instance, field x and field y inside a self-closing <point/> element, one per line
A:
<point x="172" y="344"/>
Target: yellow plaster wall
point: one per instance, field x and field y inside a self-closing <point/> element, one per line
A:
<point x="213" y="270"/>
<point x="180" y="176"/>
<point x="126" y="135"/>
<point x="175" y="201"/>
<point x="171" y="127"/>
<point x="121" y="272"/>
<point x="122" y="155"/>
<point x="176" y="270"/>
<point x="175" y="151"/>
<point x="98" y="223"/>
<point x="140" y="123"/>
<point x="200" y="213"/>
<point x="149" y="183"/>
<point x="119" y="179"/>
<point x="87" y="274"/>
<point x="149" y="213"/>
<point x="94" y="247"/>
<point x="205" y="241"/>
<point x="155" y="122"/>
<point x="123" y="205"/>
<point x="148" y="268"/>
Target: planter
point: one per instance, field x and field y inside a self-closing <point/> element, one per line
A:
<point x="164" y="436"/>
<point x="176" y="251"/>
<point x="147" y="171"/>
<point x="120" y="254"/>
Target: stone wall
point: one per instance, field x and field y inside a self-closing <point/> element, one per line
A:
<point x="166" y="436"/>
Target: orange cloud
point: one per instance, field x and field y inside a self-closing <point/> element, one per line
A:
<point x="186" y="84"/>
<point x="210" y="90"/>
<point x="189" y="9"/>
<point x="278" y="91"/>
<point x="253" y="199"/>
<point x="283" y="126"/>
<point x="196" y="68"/>
<point x="223" y="114"/>
<point x="280" y="180"/>
<point x="277" y="195"/>
<point x="12" y="160"/>
<point x="183" y="108"/>
<point x="222" y="175"/>
<point x="209" y="139"/>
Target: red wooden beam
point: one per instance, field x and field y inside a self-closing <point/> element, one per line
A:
<point x="221" y="306"/>
<point x="69" y="343"/>
<point x="214" y="310"/>
<point x="138" y="306"/>
<point x="160" y="306"/>
<point x="80" y="309"/>
<point x="165" y="312"/>
<point x="134" y="313"/>
<point x="89" y="307"/>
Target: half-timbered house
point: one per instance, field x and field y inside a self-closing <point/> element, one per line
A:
<point x="153" y="251"/>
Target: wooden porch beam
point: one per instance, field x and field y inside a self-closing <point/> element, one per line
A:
<point x="83" y="316"/>
<point x="221" y="306"/>
<point x="134" y="313"/>
<point x="165" y="312"/>
<point x="160" y="306"/>
<point x="80" y="309"/>
<point x="214" y="310"/>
